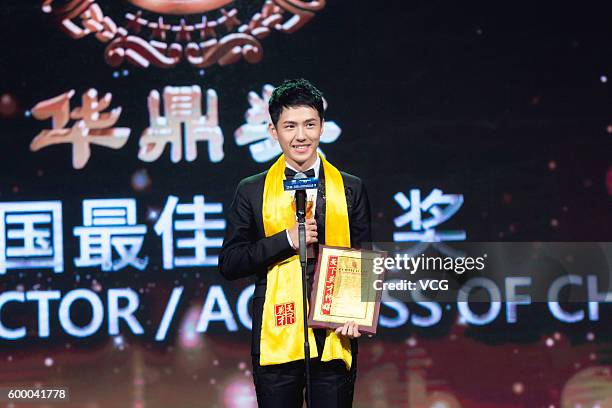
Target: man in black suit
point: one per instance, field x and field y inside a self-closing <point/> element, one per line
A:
<point x="261" y="239"/>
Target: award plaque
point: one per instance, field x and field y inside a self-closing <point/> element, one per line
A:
<point x="343" y="289"/>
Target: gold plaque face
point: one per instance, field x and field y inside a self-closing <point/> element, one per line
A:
<point x="343" y="289"/>
<point x="180" y="6"/>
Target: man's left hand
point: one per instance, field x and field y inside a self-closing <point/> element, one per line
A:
<point x="349" y="329"/>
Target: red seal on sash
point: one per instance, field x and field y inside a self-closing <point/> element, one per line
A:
<point x="285" y="313"/>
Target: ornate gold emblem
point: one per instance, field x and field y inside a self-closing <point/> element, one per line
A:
<point x="165" y="32"/>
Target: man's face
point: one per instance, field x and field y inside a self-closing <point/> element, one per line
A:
<point x="298" y="132"/>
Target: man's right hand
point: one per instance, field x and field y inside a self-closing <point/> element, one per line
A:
<point x="311" y="233"/>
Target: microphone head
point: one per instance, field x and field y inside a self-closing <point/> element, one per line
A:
<point x="300" y="182"/>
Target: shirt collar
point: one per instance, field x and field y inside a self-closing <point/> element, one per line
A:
<point x="315" y="166"/>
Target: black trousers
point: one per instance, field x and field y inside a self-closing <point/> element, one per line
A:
<point x="283" y="385"/>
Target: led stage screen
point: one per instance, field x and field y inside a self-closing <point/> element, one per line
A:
<point x="127" y="125"/>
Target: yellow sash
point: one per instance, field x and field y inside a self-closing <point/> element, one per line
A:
<point x="282" y="332"/>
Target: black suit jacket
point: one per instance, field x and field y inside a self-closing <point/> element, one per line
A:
<point x="246" y="251"/>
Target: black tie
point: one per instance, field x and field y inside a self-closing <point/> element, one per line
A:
<point x="291" y="173"/>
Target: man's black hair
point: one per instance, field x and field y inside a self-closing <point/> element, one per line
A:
<point x="292" y="93"/>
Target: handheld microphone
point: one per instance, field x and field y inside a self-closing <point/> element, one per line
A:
<point x="299" y="183"/>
